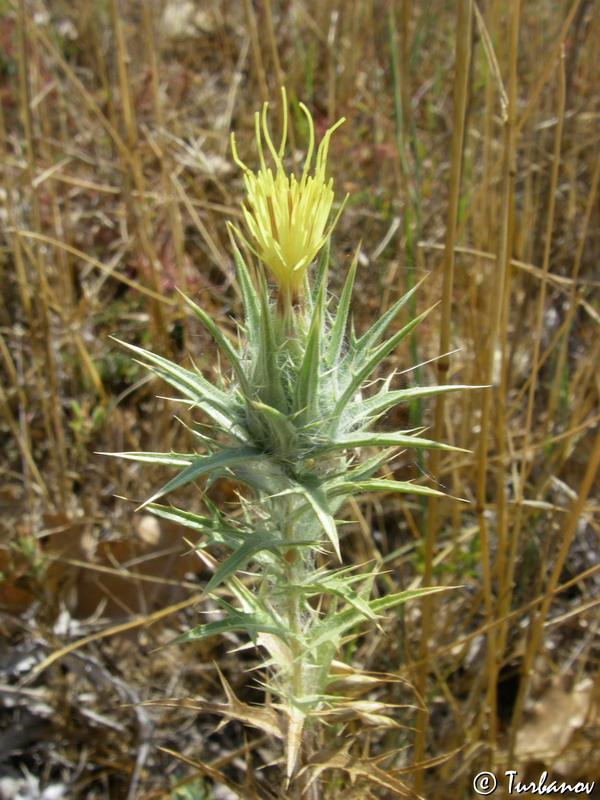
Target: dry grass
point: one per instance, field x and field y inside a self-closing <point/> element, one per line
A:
<point x="471" y="152"/>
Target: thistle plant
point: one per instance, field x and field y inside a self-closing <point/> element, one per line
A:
<point x="288" y="420"/>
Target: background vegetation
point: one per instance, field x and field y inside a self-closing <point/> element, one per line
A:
<point x="470" y="153"/>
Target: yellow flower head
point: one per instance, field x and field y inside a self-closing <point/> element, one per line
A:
<point x="286" y="217"/>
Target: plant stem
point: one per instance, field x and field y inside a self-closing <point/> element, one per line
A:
<point x="295" y="569"/>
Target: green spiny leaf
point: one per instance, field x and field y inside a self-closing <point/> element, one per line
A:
<point x="366" y="468"/>
<point x="386" y="399"/>
<point x="376" y="439"/>
<point x="232" y="355"/>
<point x="381" y="485"/>
<point x="267" y="374"/>
<point x="368" y="364"/>
<point x="307" y="384"/>
<point x="193" y="385"/>
<point x="257" y="542"/>
<point x="333" y="626"/>
<point x="376" y="331"/>
<point x="282" y="432"/>
<point x="249" y="295"/>
<point x="227" y="457"/>
<point x="339" y="588"/>
<point x="171" y="459"/>
<point x="252" y="624"/>
<point x="320" y="279"/>
<point x="216" y="529"/>
<point x="336" y="338"/>
<point x="317" y="500"/>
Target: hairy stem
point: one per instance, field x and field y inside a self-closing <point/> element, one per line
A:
<point x="295" y="569"/>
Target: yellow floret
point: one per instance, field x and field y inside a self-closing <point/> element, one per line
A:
<point x="286" y="217"/>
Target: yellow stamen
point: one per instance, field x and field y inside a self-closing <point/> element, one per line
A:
<point x="286" y="217"/>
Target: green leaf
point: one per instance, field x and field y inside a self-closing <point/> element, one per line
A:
<point x="171" y="459"/>
<point x="186" y="518"/>
<point x="333" y="626"/>
<point x="253" y="617"/>
<point x="252" y="624"/>
<point x="227" y="457"/>
<point x="340" y="588"/>
<point x="377" y="330"/>
<point x="249" y="295"/>
<point x="373" y="361"/>
<point x="281" y="429"/>
<point x="264" y="479"/>
<point x="317" y="499"/>
<point x="307" y="383"/>
<point x="259" y="540"/>
<point x="320" y="278"/>
<point x="267" y="373"/>
<point x="194" y="386"/>
<point x="232" y="355"/>
<point x="366" y="468"/>
<point x="386" y="399"/>
<point x="376" y="439"/>
<point x="215" y="528"/>
<point x="399" y="598"/>
<point x="226" y="417"/>
<point x="336" y="339"/>
<point x="381" y="485"/>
